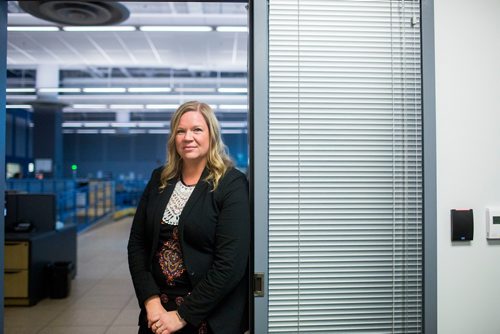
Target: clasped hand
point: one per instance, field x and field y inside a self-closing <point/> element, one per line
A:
<point x="161" y="321"/>
<point x="165" y="322"/>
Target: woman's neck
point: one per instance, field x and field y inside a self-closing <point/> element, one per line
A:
<point x="191" y="172"/>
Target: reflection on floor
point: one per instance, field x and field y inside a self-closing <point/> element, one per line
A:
<point x="102" y="298"/>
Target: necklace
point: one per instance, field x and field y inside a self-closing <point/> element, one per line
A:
<point x="187" y="185"/>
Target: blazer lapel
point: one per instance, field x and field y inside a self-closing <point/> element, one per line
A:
<point x="161" y="204"/>
<point x="163" y="200"/>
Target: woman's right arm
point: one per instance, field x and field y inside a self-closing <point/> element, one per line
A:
<point x="138" y="250"/>
<point x="146" y="290"/>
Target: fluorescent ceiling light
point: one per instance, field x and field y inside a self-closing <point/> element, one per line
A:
<point x="232" y="90"/>
<point x="162" y="106"/>
<point x="123" y="125"/>
<point x="87" y="131"/>
<point x="149" y="89"/>
<point x="194" y="90"/>
<point x="100" y="28"/>
<point x="104" y="90"/>
<point x="151" y="124"/>
<point x="60" y="90"/>
<point x="231" y="29"/>
<point x="158" y="131"/>
<point x="176" y="28"/>
<point x="126" y="106"/>
<point x="227" y="124"/>
<point x="108" y="131"/>
<point x="32" y="28"/>
<point x="68" y="131"/>
<point x="21" y="90"/>
<point x="96" y="124"/>
<point x="233" y="131"/>
<point x="233" y="107"/>
<point x="89" y="106"/>
<point x="137" y="131"/>
<point x="72" y="125"/>
<point x="18" y="106"/>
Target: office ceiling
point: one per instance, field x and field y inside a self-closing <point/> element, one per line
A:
<point x="189" y="65"/>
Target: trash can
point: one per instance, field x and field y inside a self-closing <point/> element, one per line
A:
<point x="60" y="279"/>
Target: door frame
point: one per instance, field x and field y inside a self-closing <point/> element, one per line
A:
<point x="258" y="125"/>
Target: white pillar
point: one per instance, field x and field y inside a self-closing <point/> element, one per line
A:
<point x="47" y="76"/>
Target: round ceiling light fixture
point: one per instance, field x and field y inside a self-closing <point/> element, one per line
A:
<point x="77" y="13"/>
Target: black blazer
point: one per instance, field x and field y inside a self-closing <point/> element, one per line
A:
<point x="214" y="230"/>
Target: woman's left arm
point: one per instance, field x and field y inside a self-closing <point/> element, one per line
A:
<point x="231" y="251"/>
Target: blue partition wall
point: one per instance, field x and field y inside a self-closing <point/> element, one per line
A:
<point x="121" y="157"/>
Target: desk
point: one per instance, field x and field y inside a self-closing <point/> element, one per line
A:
<point x="26" y="258"/>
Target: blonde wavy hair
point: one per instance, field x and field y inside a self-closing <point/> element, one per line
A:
<point x="218" y="161"/>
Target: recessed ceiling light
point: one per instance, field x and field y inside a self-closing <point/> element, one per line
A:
<point x="176" y="28"/>
<point x="18" y="106"/>
<point x="158" y="131"/>
<point x="233" y="131"/>
<point x="89" y="106"/>
<point x="227" y="124"/>
<point x="151" y="124"/>
<point x="233" y="107"/>
<point x="99" y="28"/>
<point x="104" y="90"/>
<point x="123" y="125"/>
<point x="137" y="131"/>
<point x="32" y="28"/>
<point x="231" y="29"/>
<point x="60" y="90"/>
<point x="162" y="106"/>
<point x="21" y="90"/>
<point x="87" y="131"/>
<point x="96" y="124"/>
<point x="149" y="89"/>
<point x="194" y="90"/>
<point x="126" y="106"/>
<point x="72" y="125"/>
<point x="232" y="90"/>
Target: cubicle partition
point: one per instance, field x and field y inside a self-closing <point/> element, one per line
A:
<point x="78" y="202"/>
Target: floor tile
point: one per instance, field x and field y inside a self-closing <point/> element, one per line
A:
<point x="85" y="317"/>
<point x="29" y="316"/>
<point x="74" y="330"/>
<point x="127" y="317"/>
<point x="122" y="330"/>
<point x="100" y="302"/>
<point x="22" y="330"/>
<point x="133" y="304"/>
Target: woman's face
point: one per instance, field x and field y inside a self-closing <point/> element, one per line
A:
<point x="192" y="138"/>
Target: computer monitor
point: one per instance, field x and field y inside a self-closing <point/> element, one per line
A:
<point x="37" y="209"/>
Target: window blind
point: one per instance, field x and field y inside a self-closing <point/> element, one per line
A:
<point x="345" y="167"/>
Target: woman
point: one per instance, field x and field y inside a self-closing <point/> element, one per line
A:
<point x="189" y="242"/>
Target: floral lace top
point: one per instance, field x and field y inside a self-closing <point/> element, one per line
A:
<point x="176" y="203"/>
<point x="168" y="268"/>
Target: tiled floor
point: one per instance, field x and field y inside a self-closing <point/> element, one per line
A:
<point x="102" y="299"/>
